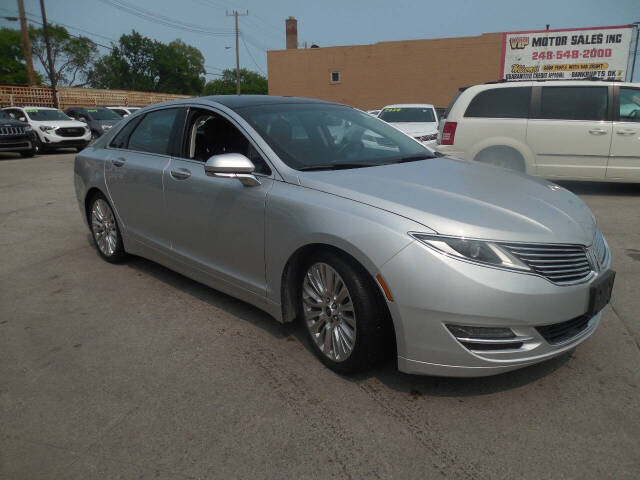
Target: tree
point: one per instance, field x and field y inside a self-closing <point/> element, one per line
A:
<point x="139" y="63"/>
<point x="13" y="69"/>
<point x="72" y="57"/>
<point x="250" y="83"/>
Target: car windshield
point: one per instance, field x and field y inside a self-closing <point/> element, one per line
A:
<point x="103" y="114"/>
<point x="310" y="136"/>
<point x="45" y="114"/>
<point x="411" y="114"/>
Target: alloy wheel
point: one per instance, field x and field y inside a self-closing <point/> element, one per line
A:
<point x="103" y="226"/>
<point x="328" y="312"/>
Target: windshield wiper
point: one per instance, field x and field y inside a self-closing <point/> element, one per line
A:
<point x="413" y="158"/>
<point x="337" y="166"/>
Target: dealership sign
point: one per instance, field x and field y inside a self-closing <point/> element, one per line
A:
<point x="600" y="52"/>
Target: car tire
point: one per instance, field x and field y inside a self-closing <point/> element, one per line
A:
<point x="105" y="230"/>
<point x="28" y="153"/>
<point x="346" y="333"/>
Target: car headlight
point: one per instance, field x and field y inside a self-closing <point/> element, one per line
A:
<point x="105" y="127"/>
<point x="47" y="128"/>
<point x="481" y="252"/>
<point x="27" y="128"/>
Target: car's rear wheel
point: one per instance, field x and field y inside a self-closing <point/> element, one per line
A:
<point x="340" y="311"/>
<point x="105" y="230"/>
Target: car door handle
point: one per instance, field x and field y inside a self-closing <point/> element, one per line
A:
<point x="625" y="132"/>
<point x="180" y="173"/>
<point x="598" y="131"/>
<point x="118" y="162"/>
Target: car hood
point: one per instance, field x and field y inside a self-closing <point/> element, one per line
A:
<point x="416" y="128"/>
<point x="465" y="199"/>
<point x="58" y="123"/>
<point x="9" y="122"/>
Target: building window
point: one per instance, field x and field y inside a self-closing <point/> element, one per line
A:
<point x="335" y="77"/>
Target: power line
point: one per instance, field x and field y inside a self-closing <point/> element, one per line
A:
<point x="249" y="52"/>
<point x="163" y="20"/>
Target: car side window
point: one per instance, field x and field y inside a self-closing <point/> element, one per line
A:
<point x="209" y="134"/>
<point x="153" y="132"/>
<point x="121" y="140"/>
<point x="629" y="104"/>
<point x="511" y="102"/>
<point x="574" y="103"/>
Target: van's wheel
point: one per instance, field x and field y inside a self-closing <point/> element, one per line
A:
<point x="105" y="230"/>
<point x="340" y="310"/>
<point x="502" y="156"/>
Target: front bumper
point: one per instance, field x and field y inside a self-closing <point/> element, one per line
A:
<point x="450" y="151"/>
<point x="52" y="140"/>
<point x="15" y="144"/>
<point x="431" y="291"/>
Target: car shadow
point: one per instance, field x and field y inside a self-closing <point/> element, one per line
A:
<point x="386" y="370"/>
<point x="601" y="188"/>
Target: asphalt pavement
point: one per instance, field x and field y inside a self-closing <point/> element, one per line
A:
<point x="134" y="371"/>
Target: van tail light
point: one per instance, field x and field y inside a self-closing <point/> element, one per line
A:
<point x="448" y="133"/>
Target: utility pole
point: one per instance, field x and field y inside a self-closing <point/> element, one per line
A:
<point x="52" y="73"/>
<point x="635" y="51"/>
<point x="236" y="15"/>
<point x="26" y="44"/>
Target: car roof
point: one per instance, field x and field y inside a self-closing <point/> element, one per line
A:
<point x="554" y="83"/>
<point x="240" y="101"/>
<point x="36" y="107"/>
<point x="409" y="105"/>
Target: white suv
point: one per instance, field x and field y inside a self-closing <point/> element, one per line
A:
<point x="580" y="129"/>
<point x="53" y="128"/>
<point x="418" y="120"/>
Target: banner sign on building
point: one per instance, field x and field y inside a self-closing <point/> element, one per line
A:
<point x="599" y="52"/>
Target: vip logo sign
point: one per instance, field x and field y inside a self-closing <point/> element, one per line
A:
<point x="518" y="43"/>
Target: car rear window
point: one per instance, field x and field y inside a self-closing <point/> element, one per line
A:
<point x="511" y="102"/>
<point x="574" y="103"/>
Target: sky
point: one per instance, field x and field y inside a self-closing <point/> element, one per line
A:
<point x="323" y="22"/>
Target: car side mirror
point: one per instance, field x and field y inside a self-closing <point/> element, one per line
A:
<point x="232" y="165"/>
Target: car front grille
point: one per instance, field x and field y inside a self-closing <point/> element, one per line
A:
<point x="70" y="131"/>
<point x="561" y="332"/>
<point x="561" y="264"/>
<point x="12" y="130"/>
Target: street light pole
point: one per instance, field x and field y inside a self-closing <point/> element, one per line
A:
<point x="26" y="44"/>
<point x="52" y="73"/>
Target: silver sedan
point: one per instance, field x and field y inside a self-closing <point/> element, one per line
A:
<point x="320" y="212"/>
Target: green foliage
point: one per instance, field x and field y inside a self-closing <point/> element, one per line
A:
<point x="250" y="83"/>
<point x="13" y="68"/>
<point x="72" y="57"/>
<point x="139" y="63"/>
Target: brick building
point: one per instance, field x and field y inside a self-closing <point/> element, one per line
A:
<point x="371" y="76"/>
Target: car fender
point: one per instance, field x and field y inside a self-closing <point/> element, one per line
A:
<point x="500" y="141"/>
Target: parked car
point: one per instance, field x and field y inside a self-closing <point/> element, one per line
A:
<point x="53" y="128"/>
<point x="581" y="130"/>
<point x="124" y="111"/>
<point x="468" y="269"/>
<point x="16" y="136"/>
<point x="373" y="113"/>
<point x="415" y="119"/>
<point x="98" y="119"/>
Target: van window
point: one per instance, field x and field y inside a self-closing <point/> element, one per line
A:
<point x="511" y="102"/>
<point x="630" y="104"/>
<point x="574" y="103"/>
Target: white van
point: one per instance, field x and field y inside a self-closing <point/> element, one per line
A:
<point x="579" y="129"/>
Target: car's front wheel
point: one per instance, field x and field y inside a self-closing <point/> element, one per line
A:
<point x="105" y="230"/>
<point x="340" y="310"/>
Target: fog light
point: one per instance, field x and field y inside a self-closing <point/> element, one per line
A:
<point x="466" y="331"/>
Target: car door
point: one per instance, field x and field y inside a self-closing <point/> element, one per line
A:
<point x="217" y="224"/>
<point x="569" y="131"/>
<point x="137" y="157"/>
<point x="624" y="159"/>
